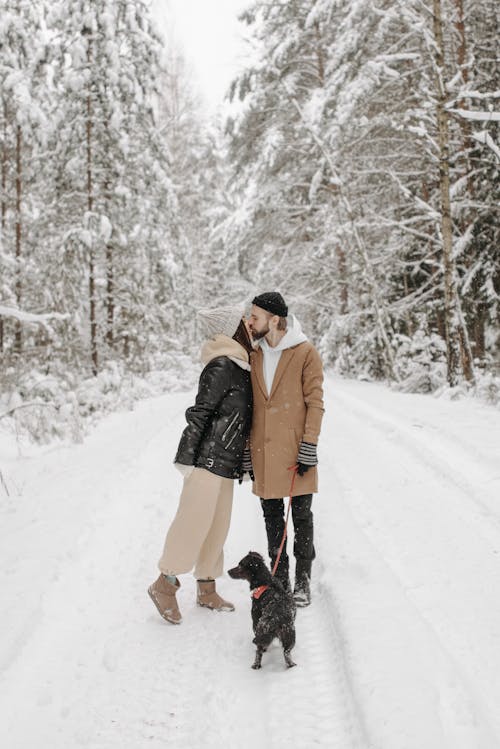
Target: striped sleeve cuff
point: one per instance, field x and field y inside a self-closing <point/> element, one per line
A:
<point x="247" y="461"/>
<point x="307" y="454"/>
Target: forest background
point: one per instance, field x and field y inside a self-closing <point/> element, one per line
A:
<point x="356" y="170"/>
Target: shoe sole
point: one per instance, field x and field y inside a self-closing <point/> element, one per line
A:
<point x="212" y="608"/>
<point x="301" y="603"/>
<point x="161" y="613"/>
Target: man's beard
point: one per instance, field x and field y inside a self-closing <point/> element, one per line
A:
<point x="258" y="334"/>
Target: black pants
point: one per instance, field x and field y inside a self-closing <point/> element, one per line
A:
<point x="303" y="546"/>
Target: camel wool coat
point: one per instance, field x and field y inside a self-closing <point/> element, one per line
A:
<point x="291" y="413"/>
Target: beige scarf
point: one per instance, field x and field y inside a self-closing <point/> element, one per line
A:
<point x="222" y="345"/>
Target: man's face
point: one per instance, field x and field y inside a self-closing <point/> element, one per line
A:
<point x="258" y="322"/>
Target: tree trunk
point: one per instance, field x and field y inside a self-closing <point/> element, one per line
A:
<point x="344" y="302"/>
<point x="467" y="145"/>
<point x="18" y="285"/>
<point x="465" y="124"/>
<point x="110" y="304"/>
<point x="479" y="323"/>
<point x="457" y="348"/>
<point x="90" y="205"/>
<point x="342" y="271"/>
<point x="3" y="201"/>
<point x="407" y="318"/>
<point x="110" y="284"/>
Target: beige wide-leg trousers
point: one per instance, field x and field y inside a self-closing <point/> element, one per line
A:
<point x="200" y="527"/>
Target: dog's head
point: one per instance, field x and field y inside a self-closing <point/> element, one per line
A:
<point x="248" y="567"/>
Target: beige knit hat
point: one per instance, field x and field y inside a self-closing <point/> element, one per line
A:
<point x="221" y="320"/>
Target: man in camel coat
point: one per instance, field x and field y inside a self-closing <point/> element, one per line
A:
<point x="287" y="378"/>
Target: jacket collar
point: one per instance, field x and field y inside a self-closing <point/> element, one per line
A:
<point x="258" y="360"/>
<point x="285" y="359"/>
<point x="222" y="345"/>
<point x="292" y="337"/>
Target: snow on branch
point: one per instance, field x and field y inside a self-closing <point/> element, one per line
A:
<point x="483" y="116"/>
<point x="29" y="317"/>
<point x="12" y="409"/>
<point x="480" y="95"/>
<point x="485" y="138"/>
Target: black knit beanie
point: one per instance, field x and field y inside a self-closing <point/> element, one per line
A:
<point x="272" y="302"/>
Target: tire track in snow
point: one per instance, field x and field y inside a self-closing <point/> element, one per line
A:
<point x="397" y="664"/>
<point x="440" y="458"/>
<point x="64" y="491"/>
<point x="380" y="504"/>
<point x="458" y="706"/>
<point x="311" y="704"/>
<point x="108" y="672"/>
<point x="424" y="424"/>
<point x="88" y="640"/>
<point x="100" y="668"/>
<point x="314" y="704"/>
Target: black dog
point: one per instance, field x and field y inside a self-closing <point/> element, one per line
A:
<point x="273" y="609"/>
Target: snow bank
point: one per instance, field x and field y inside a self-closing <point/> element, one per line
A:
<point x="44" y="408"/>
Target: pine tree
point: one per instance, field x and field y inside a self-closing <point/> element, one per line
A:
<point x="22" y="120"/>
<point x="116" y="196"/>
<point x="356" y="179"/>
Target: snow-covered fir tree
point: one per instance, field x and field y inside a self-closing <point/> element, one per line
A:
<point x="358" y="174"/>
<point x="22" y="150"/>
<point x="354" y="173"/>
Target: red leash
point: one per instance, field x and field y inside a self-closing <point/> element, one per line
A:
<point x="294" y="468"/>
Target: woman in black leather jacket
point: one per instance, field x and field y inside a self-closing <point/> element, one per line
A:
<point x="210" y="456"/>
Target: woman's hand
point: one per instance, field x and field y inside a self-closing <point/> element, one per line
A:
<point x="185" y="470"/>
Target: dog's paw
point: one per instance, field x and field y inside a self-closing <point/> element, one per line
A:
<point x="288" y="659"/>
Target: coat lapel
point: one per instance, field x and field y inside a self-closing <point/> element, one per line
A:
<point x="285" y="359"/>
<point x="257" y="363"/>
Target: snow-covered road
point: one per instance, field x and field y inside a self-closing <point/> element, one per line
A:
<point x="400" y="649"/>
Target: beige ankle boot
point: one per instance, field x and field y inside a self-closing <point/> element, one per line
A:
<point x="208" y="596"/>
<point x="163" y="596"/>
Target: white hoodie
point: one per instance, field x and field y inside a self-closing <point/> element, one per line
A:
<point x="272" y="354"/>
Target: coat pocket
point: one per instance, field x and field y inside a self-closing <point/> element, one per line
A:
<point x="294" y="441"/>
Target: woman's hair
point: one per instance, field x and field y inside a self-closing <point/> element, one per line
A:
<point x="242" y="337"/>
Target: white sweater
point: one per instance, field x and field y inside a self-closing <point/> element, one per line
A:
<point x="272" y="354"/>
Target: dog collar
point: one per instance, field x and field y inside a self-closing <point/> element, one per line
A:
<point x="257" y="592"/>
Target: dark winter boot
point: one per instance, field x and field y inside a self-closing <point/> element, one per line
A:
<point x="302" y="590"/>
<point x="284" y="578"/>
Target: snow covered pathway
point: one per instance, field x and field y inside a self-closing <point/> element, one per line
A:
<point x="400" y="649"/>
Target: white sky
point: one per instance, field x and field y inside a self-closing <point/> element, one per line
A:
<point x="211" y="38"/>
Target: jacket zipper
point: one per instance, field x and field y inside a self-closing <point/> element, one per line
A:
<point x="233" y="437"/>
<point x="228" y="428"/>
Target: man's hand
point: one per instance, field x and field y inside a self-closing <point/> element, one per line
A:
<point x="307" y="457"/>
<point x="246" y="476"/>
<point x="246" y="466"/>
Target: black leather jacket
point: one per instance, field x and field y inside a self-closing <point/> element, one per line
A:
<point x="220" y="420"/>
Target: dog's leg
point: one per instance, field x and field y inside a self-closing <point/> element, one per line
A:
<point x="287" y="638"/>
<point x="288" y="659"/>
<point x="258" y="658"/>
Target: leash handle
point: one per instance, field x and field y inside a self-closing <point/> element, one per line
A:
<point x="294" y="470"/>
